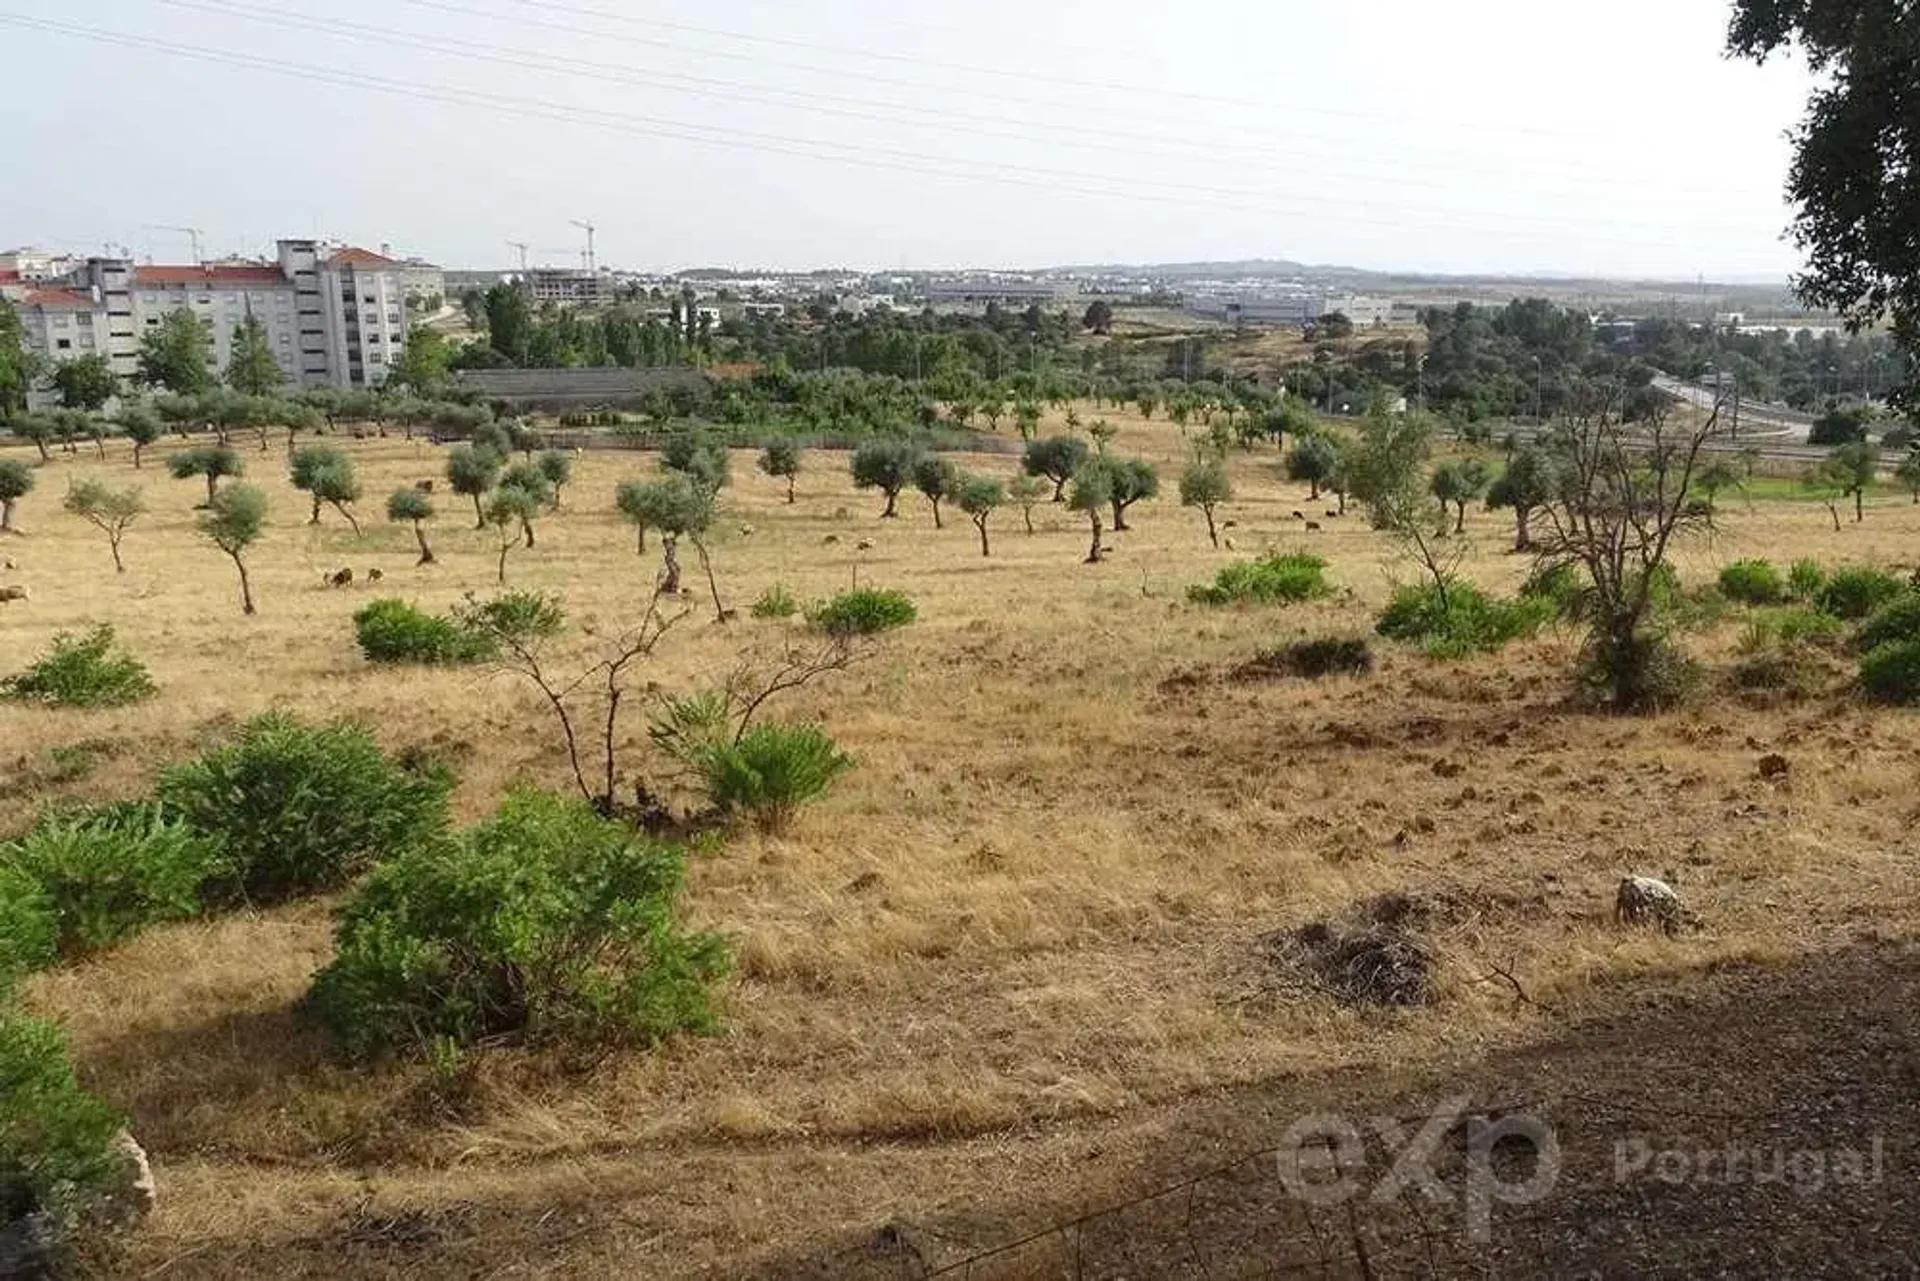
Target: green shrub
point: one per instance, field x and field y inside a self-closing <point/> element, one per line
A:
<point x="1658" y="674"/>
<point x="1790" y="626"/>
<point x="865" y="611"/>
<point x="82" y="671"/>
<point x="1312" y="659"/>
<point x="393" y="631"/>
<point x="511" y="616"/>
<point x="1753" y="582"/>
<point x="1289" y="578"/>
<point x="1855" y="591"/>
<point x="776" y="602"/>
<point x="107" y="875"/>
<point x="771" y="771"/>
<point x="1470" y="622"/>
<point x="1805" y="578"/>
<point x="1890" y="673"/>
<point x="29" y="935"/>
<point x="305" y="807"/>
<point x="56" y="1140"/>
<point x="1560" y="584"/>
<point x="546" y="922"/>
<point x="1897" y="620"/>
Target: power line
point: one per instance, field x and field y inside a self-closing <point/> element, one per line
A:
<point x="892" y="160"/>
<point x="735" y="91"/>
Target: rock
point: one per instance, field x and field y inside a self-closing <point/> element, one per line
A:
<point x="1642" y="900"/>
<point x="1773" y="765"/>
<point x="132" y="1195"/>
<point x="30" y="1246"/>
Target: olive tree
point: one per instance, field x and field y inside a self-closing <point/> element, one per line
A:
<point x="1387" y="471"/>
<point x="509" y="511"/>
<point x="1206" y="484"/>
<point x="528" y="478"/>
<point x="16" y="482"/>
<point x="233" y="521"/>
<point x="1849" y="470"/>
<point x="631" y="497"/>
<point x="1028" y="491"/>
<point x="1526" y="485"/>
<point x="885" y="465"/>
<point x="1133" y="480"/>
<point x="781" y="458"/>
<point x="210" y="461"/>
<point x="936" y="479"/>
<point x="978" y="496"/>
<point x="327" y="475"/>
<point x="1057" y="458"/>
<point x="558" y="470"/>
<point x="1314" y="460"/>
<point x="108" y="510"/>
<point x="679" y="507"/>
<point x="472" y="470"/>
<point x="140" y="425"/>
<point x="1091" y="494"/>
<point x="411" y="506"/>
<point x="1456" y="483"/>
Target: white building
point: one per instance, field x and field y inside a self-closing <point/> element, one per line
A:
<point x="333" y="316"/>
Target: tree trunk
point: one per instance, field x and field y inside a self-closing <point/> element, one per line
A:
<point x="1522" y="534"/>
<point x="1859" y="499"/>
<point x="889" y="513"/>
<point x="506" y="545"/>
<point x="137" y="448"/>
<point x="790" y="491"/>
<point x="1343" y="502"/>
<point x="1026" y="511"/>
<point x="980" y="522"/>
<point x="246" y="586"/>
<point x="100" y="444"/>
<point x="1833" y="510"/>
<point x="315" y="518"/>
<point x="479" y="515"/>
<point x="713" y="584"/>
<point x="1313" y="491"/>
<point x="936" y="513"/>
<point x="1093" y="553"/>
<point x="426" y="552"/>
<point x="1213" y="534"/>
<point x="6" y="515"/>
<point x="526" y="530"/>
<point x="1460" y="522"/>
<point x="212" y="480"/>
<point x="1119" y="516"/>
<point x="351" y="520"/>
<point x="119" y="567"/>
<point x="1059" y="489"/>
<point x="45" y="457"/>
<point x="668" y="545"/>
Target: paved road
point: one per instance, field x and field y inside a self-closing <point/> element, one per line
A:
<point x="1779" y="419"/>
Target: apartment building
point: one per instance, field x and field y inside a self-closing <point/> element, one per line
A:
<point x="333" y="316"/>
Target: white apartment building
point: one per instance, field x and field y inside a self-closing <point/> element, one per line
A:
<point x="333" y="316"/>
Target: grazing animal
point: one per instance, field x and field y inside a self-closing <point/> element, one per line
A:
<point x="1228" y="542"/>
<point x="1229" y="524"/>
<point x="1313" y="526"/>
<point x="1641" y="900"/>
<point x="374" y="575"/>
<point x="831" y="538"/>
<point x="424" y="486"/>
<point x="8" y="564"/>
<point x="1332" y="511"/>
<point x="13" y="593"/>
<point x="340" y="578"/>
<point x="864" y="545"/>
<point x="1299" y="515"/>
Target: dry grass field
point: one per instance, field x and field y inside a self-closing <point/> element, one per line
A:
<point x="991" y="967"/>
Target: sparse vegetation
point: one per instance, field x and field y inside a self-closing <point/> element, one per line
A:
<point x="1463" y="621"/>
<point x="769" y="771"/>
<point x="1753" y="582"/>
<point x="107" y="509"/>
<point x="82" y="671"/>
<point x="776" y="602"/>
<point x="865" y="611"/>
<point x="1277" y="580"/>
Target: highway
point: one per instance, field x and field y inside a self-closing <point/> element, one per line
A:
<point x="1778" y="421"/>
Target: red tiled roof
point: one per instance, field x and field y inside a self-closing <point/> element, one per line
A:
<point x="361" y="258"/>
<point x="225" y="274"/>
<point x="59" y="298"/>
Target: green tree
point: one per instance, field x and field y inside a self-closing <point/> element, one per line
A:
<point x="19" y="368"/>
<point x="532" y="481"/>
<point x="1206" y="484"/>
<point x="16" y="482"/>
<point x="233" y="521"/>
<point x="1133" y="480"/>
<point x="978" y="496"/>
<point x="558" y="470"/>
<point x="141" y="425"/>
<point x="1849" y="470"/>
<point x="1314" y="460"/>
<point x="1853" y="182"/>
<point x="509" y="322"/>
<point x="472" y="470"/>
<point x="37" y="428"/>
<point x="1908" y="473"/>
<point x="1715" y="476"/>
<point x="885" y="465"/>
<point x="782" y="458"/>
<point x="510" y="511"/>
<point x="1057" y="458"/>
<point x="412" y="506"/>
<point x="1026" y="414"/>
<point x="86" y="382"/>
<point x="1840" y="425"/>
<point x="106" y="509"/>
<point x="176" y="353"/>
<point x="632" y="501"/>
<point x="251" y="368"/>
<point x="1028" y="491"/>
<point x="1526" y="485"/>
<point x="311" y="465"/>
<point x="1387" y="470"/>
<point x="210" y="461"/>
<point x="1092" y="493"/>
<point x="1098" y="317"/>
<point x="1456" y="483"/>
<point x="425" y="362"/>
<point x="936" y="479"/>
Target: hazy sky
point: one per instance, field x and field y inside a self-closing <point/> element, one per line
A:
<point x="1477" y="135"/>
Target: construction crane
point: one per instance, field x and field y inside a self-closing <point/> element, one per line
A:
<point x="521" y="245"/>
<point x="586" y="259"/>
<point x="192" y="234"/>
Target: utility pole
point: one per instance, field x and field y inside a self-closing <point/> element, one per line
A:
<point x="191" y="233"/>
<point x="521" y="245"/>
<point x="588" y="260"/>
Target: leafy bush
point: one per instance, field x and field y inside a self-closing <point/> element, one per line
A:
<point x="1753" y="582"/>
<point x="510" y="616"/>
<point x="56" y="1140"/>
<point x="1656" y="674"/>
<point x="82" y="671"/>
<point x="105" y="876"/>
<point x="1312" y="659"/>
<point x="1790" y="626"/>
<point x="1897" y="620"/>
<point x="865" y="611"/>
<point x="1559" y="584"/>
<point x="1855" y="591"/>
<point x="1289" y="578"/>
<point x="1469" y="622"/>
<point x="394" y="631"/>
<point x="776" y="602"/>
<point x="29" y="935"/>
<point x="1890" y="673"/>
<point x="305" y="807"/>
<point x="771" y="771"/>
<point x="546" y="922"/>
<point x="1805" y="578"/>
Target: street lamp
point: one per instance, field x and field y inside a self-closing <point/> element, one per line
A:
<point x="1538" y="375"/>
